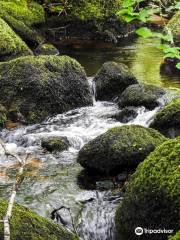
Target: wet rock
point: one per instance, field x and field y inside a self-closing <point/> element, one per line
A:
<point x="46" y="49"/>
<point x="11" y="45"/>
<point x="27" y="225"/>
<point x="126" y="115"/>
<point x="122" y="177"/>
<point x="112" y="79"/>
<point x="153" y="194"/>
<point x="141" y="95"/>
<point x="119" y="148"/>
<point x="55" y="144"/>
<point x="167" y="120"/>
<point x="38" y="87"/>
<point x="168" y="67"/>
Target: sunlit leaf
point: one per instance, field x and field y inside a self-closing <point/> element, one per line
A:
<point x="178" y="65"/>
<point x="144" y="32"/>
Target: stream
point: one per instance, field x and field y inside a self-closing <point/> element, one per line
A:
<point x="53" y="180"/>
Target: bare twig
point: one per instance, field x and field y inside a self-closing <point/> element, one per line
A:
<point x="16" y="185"/>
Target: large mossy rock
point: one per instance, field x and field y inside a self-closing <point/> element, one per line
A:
<point x="167" y="121"/>
<point x="10" y="43"/>
<point x="119" y="148"/>
<point x="141" y="95"/>
<point x="22" y="16"/>
<point x="112" y="79"/>
<point x="152" y="199"/>
<point x="174" y="26"/>
<point x="27" y="225"/>
<point x="37" y="87"/>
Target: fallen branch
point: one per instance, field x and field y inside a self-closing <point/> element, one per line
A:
<point x="15" y="188"/>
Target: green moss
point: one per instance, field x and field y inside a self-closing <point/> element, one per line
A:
<point x="112" y="79"/>
<point x="168" y="118"/>
<point x="118" y="148"/>
<point x="141" y="95"/>
<point x="3" y="115"/>
<point x="38" y="87"/>
<point x="174" y="25"/>
<point x="152" y="199"/>
<point x="91" y="9"/>
<point x="175" y="237"/>
<point x="10" y="43"/>
<point x="55" y="144"/>
<point x="46" y="49"/>
<point x="26" y="225"/>
<point x="22" y="16"/>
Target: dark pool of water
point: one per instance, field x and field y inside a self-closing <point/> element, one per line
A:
<point x="142" y="56"/>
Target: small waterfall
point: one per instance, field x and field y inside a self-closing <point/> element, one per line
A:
<point x="54" y="183"/>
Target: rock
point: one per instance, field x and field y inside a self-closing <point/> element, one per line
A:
<point x="22" y="16"/>
<point x="55" y="144"/>
<point x="126" y="115"/>
<point x="11" y="44"/>
<point x="167" y="120"/>
<point x="119" y="148"/>
<point x="141" y="95"/>
<point x="174" y="26"/>
<point x="152" y="197"/>
<point x="112" y="79"/>
<point x="46" y="49"/>
<point x="168" y="67"/>
<point x="38" y="87"/>
<point x="27" y="225"/>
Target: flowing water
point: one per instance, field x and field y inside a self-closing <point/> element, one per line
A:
<point x="56" y="180"/>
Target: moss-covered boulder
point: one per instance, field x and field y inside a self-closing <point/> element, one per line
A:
<point x="119" y="148"/>
<point x="167" y="120"/>
<point x="174" y="26"/>
<point x="46" y="49"/>
<point x="55" y="144"/>
<point x="10" y="43"/>
<point x="27" y="225"/>
<point x="22" y="16"/>
<point x="37" y="87"/>
<point x="112" y="79"/>
<point x="152" y="199"/>
<point x="141" y="95"/>
<point x="175" y="237"/>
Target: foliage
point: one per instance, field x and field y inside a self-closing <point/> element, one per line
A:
<point x="131" y="11"/>
<point x="82" y="9"/>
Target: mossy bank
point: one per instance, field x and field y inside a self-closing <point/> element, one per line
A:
<point x="27" y="225"/>
<point x="152" y="199"/>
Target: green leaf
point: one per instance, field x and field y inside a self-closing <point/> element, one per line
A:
<point x="144" y="32"/>
<point x="128" y="3"/>
<point x="177" y="6"/>
<point x="178" y="65"/>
